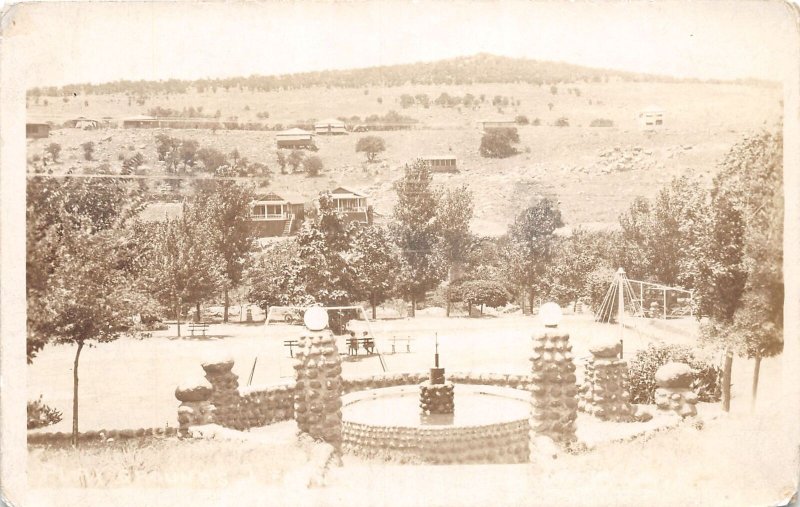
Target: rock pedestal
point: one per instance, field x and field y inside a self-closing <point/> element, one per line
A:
<point x="604" y="392"/>
<point x="318" y="391"/>
<point x="553" y="404"/>
<point x="436" y="398"/>
<point x="195" y="407"/>
<point x="224" y="391"/>
<point x="674" y="391"/>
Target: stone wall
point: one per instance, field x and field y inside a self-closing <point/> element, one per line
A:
<point x="674" y="391"/>
<point x="604" y="392"/>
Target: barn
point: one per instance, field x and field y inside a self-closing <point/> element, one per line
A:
<point x="295" y="138"/>
<point x="331" y="126"/>
<point x="276" y="214"/>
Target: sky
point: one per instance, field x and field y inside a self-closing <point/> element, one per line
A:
<point x="75" y="42"/>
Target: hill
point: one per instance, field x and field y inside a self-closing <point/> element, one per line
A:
<point x="481" y="68"/>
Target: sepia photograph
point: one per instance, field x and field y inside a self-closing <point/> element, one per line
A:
<point x="400" y="253"/>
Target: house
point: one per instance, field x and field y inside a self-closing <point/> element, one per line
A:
<point x="441" y="163"/>
<point x="651" y="118"/>
<point x="82" y="123"/>
<point x="37" y="130"/>
<point x="496" y="124"/>
<point x="330" y="126"/>
<point x="274" y="214"/>
<point x="353" y="205"/>
<point x="295" y="138"/>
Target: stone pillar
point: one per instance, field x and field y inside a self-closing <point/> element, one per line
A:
<point x="224" y="391"/>
<point x="674" y="391"/>
<point x="604" y="392"/>
<point x="553" y="404"/>
<point x="195" y="407"/>
<point x="318" y="391"/>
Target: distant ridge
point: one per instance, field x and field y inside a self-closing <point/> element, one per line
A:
<point x="480" y="68"/>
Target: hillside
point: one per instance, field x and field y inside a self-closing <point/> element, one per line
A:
<point x="594" y="171"/>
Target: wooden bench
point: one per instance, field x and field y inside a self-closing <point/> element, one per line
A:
<point x="290" y="344"/>
<point x="198" y="326"/>
<point x="361" y="342"/>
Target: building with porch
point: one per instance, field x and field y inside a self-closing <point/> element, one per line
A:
<point x="275" y="214"/>
<point x="441" y="163"/>
<point x="295" y="138"/>
<point x="331" y="126"/>
<point x="352" y="205"/>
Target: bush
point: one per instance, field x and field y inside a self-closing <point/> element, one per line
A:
<point x="41" y="415"/>
<point x="496" y="143"/>
<point x="522" y="120"/>
<point x="53" y="149"/>
<point x="562" y="122"/>
<point x="479" y="293"/>
<point x="601" y="122"/>
<point x="642" y="371"/>
<point x="88" y="150"/>
<point x="371" y="145"/>
<point x="312" y="165"/>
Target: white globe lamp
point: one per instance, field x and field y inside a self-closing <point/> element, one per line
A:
<point x="316" y="318"/>
<point x="550" y="314"/>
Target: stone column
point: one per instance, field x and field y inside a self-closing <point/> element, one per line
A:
<point x="224" y="391"/>
<point x="604" y="392"/>
<point x="553" y="404"/>
<point x="195" y="407"/>
<point x="674" y="391"/>
<point x="318" y="391"/>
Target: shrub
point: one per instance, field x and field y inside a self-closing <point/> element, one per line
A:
<point x="522" y="120"/>
<point x="496" y="143"/>
<point x="479" y="293"/>
<point x="562" y="122"/>
<point x="601" y="122"/>
<point x="312" y="165"/>
<point x="642" y="371"/>
<point x="294" y="159"/>
<point x="41" y="415"/>
<point x="53" y="149"/>
<point x="88" y="150"/>
<point x="536" y="122"/>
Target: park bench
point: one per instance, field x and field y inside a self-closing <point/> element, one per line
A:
<point x="290" y="344"/>
<point x="362" y="343"/>
<point x="198" y="326"/>
<point x="394" y="343"/>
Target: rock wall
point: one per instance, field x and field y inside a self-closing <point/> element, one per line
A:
<point x="318" y="388"/>
<point x="674" y="391"/>
<point x="553" y="402"/>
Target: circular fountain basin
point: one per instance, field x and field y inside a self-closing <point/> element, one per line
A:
<point x="489" y="425"/>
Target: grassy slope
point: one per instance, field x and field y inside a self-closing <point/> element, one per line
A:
<point x="707" y="118"/>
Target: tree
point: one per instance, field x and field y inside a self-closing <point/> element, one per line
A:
<point x="739" y="284"/>
<point x="497" y="143"/>
<point x="522" y="120"/>
<point x="313" y="165"/>
<point x="453" y="216"/>
<point x="371" y="145"/>
<point x="211" y="158"/>
<point x="374" y="263"/>
<point x="532" y="245"/>
<point x="183" y="265"/>
<point x="481" y="292"/>
<point x="54" y="149"/>
<point x="225" y="205"/>
<point x="88" y="150"/>
<point x="414" y="230"/>
<point x="267" y="276"/>
<point x="294" y="159"/>
<point x="88" y="298"/>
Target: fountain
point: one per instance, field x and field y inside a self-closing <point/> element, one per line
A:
<point x="420" y="422"/>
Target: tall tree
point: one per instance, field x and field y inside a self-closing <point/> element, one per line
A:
<point x="532" y="245"/>
<point x="374" y="263"/>
<point x="414" y="230"/>
<point x="226" y="207"/>
<point x="453" y="215"/>
<point x="183" y="265"/>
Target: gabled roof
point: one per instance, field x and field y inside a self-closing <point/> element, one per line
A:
<point x="342" y="192"/>
<point x="295" y="132"/>
<point x="281" y="197"/>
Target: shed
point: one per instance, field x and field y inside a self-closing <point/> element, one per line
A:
<point x="37" y="130"/>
